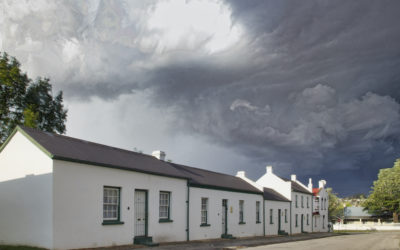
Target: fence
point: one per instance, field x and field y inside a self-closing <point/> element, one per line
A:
<point x="375" y="226"/>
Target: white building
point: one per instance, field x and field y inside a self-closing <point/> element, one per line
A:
<point x="277" y="213"/>
<point x="60" y="192"/>
<point x="300" y="207"/>
<point x="320" y="207"/>
<point x="300" y="212"/>
<point x="276" y="207"/>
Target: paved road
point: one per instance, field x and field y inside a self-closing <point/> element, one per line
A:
<point x="370" y="241"/>
<point x="221" y="244"/>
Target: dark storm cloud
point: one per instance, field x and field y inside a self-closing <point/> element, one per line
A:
<point x="310" y="87"/>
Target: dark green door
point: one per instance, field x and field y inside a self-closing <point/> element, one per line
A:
<point x="279" y="220"/>
<point x="224" y="216"/>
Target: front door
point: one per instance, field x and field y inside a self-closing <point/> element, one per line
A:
<point x="140" y="213"/>
<point x="302" y="221"/>
<point x="224" y="216"/>
<point x="279" y="220"/>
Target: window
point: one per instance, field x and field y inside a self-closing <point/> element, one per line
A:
<point x="302" y="201"/>
<point x="258" y="212"/>
<point x="296" y="201"/>
<point x="325" y="204"/>
<point x="204" y="211"/>
<point x="111" y="205"/>
<point x="308" y="205"/>
<point x="164" y="206"/>
<point x="308" y="219"/>
<point x="297" y="223"/>
<point x="323" y="221"/>
<point x="241" y="215"/>
<point x="271" y="213"/>
<point x="285" y="215"/>
<point x="322" y="203"/>
<point x="315" y="222"/>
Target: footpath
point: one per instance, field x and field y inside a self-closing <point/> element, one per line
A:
<point x="227" y="243"/>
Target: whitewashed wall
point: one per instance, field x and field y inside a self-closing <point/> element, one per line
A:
<point x="321" y="220"/>
<point x="251" y="228"/>
<point x="270" y="180"/>
<point x="301" y="210"/>
<point x="25" y="194"/>
<point x="78" y="206"/>
<point x="272" y="229"/>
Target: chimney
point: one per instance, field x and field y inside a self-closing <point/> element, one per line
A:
<point x="293" y="177"/>
<point x="310" y="184"/>
<point x="322" y="183"/>
<point x="269" y="169"/>
<point x="159" y="155"/>
<point x="241" y="174"/>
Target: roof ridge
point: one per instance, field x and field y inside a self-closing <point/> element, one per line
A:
<point x="202" y="169"/>
<point x="82" y="140"/>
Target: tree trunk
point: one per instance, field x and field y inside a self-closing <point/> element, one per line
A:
<point x="395" y="217"/>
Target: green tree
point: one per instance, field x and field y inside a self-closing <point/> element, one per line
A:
<point x="336" y="206"/>
<point x="27" y="102"/>
<point x="385" y="193"/>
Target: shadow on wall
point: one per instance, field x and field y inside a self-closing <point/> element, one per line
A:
<point x="26" y="210"/>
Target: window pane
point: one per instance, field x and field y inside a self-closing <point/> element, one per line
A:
<point x="110" y="203"/>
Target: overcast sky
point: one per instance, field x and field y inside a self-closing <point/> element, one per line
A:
<point x="309" y="87"/>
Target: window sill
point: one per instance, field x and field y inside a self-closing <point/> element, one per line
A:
<point x="112" y="222"/>
<point x="165" y="220"/>
<point x="205" y="225"/>
<point x="258" y="222"/>
<point x="242" y="223"/>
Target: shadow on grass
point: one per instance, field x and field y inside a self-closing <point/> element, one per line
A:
<point x="9" y="247"/>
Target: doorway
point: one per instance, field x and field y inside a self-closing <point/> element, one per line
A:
<point x="224" y="217"/>
<point x="140" y="213"/>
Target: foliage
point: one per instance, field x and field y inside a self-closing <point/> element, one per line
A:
<point x="335" y="209"/>
<point x="27" y="102"/>
<point x="385" y="194"/>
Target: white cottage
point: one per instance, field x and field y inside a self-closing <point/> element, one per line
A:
<point x="301" y="207"/>
<point x="60" y="192"/>
<point x="277" y="213"/>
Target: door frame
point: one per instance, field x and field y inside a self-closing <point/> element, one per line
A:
<point x="146" y="211"/>
<point x="225" y="211"/>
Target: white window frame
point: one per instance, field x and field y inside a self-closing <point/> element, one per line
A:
<point x="241" y="211"/>
<point x="258" y="219"/>
<point x="286" y="215"/>
<point x="204" y="211"/>
<point x="164" y="205"/>
<point x="271" y="216"/>
<point x="111" y="203"/>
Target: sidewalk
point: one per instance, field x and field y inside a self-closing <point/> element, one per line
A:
<point x="227" y="243"/>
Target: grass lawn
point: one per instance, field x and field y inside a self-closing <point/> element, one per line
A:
<point x="8" y="247"/>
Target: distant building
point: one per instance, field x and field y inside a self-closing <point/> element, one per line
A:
<point x="358" y="215"/>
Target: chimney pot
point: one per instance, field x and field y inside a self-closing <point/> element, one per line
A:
<point x="241" y="174"/>
<point x="159" y="155"/>
<point x="293" y="177"/>
<point x="310" y="184"/>
<point x="321" y="183"/>
<point x="269" y="169"/>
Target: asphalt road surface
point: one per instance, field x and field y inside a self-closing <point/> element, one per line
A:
<point x="364" y="241"/>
